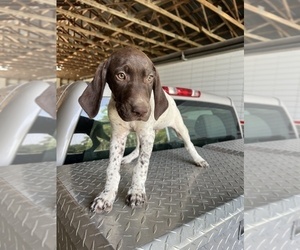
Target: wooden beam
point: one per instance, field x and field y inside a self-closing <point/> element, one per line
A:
<point x="276" y="8"/>
<point x="288" y="10"/>
<point x="79" y="46"/>
<point x="209" y="33"/>
<point x="236" y="10"/>
<point x="205" y="17"/>
<point x="97" y="34"/>
<point x="23" y="14"/>
<point x="221" y="13"/>
<point x="230" y="27"/>
<point x="154" y="7"/>
<point x="229" y="9"/>
<point x="280" y="30"/>
<point x="271" y="16"/>
<point x="113" y="28"/>
<point x="30" y="29"/>
<point x="130" y="18"/>
<point x="256" y="37"/>
<point x="48" y="2"/>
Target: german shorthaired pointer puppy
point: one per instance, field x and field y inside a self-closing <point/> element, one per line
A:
<point x="138" y="103"/>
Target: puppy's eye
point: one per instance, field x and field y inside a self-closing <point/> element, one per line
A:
<point x="150" y="78"/>
<point x="121" y="76"/>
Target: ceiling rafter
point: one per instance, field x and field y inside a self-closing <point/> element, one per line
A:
<point x="271" y="16"/>
<point x="276" y="8"/>
<point x="113" y="28"/>
<point x="97" y="34"/>
<point x="29" y="28"/>
<point x="236" y="10"/>
<point x="106" y="25"/>
<point x="288" y="10"/>
<point x="229" y="9"/>
<point x="47" y="2"/>
<point x="128" y="17"/>
<point x="256" y="37"/>
<point x="221" y="13"/>
<point x="168" y="14"/>
<point x="23" y="14"/>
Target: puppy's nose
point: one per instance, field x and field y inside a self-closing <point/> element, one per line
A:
<point x="139" y="110"/>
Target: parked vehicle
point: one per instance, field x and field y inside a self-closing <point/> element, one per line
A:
<point x="27" y="129"/>
<point x="267" y="119"/>
<point x="209" y="119"/>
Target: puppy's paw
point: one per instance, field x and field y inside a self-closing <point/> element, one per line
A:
<point x="202" y="163"/>
<point x="135" y="199"/>
<point x="103" y="203"/>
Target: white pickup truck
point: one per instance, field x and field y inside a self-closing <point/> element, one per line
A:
<point x="187" y="207"/>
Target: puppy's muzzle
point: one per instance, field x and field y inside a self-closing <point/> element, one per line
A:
<point x="134" y="112"/>
<point x="139" y="111"/>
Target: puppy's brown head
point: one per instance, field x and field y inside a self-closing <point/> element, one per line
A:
<point x="131" y="77"/>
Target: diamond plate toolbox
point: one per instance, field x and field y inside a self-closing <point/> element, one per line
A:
<point x="27" y="196"/>
<point x="187" y="207"/>
<point x="231" y="147"/>
<point x="272" y="195"/>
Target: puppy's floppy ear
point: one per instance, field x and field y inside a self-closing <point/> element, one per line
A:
<point x="91" y="97"/>
<point x="160" y="99"/>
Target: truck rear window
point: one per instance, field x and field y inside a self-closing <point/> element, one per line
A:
<point x="266" y="123"/>
<point x="206" y="122"/>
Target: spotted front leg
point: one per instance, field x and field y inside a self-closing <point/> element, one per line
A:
<point x="104" y="201"/>
<point x="136" y="196"/>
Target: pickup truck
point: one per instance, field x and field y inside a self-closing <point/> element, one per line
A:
<point x="271" y="164"/>
<point x="187" y="208"/>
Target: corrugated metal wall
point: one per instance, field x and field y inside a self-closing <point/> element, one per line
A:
<point x="275" y="73"/>
<point x="221" y="74"/>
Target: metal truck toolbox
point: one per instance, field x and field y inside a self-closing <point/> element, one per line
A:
<point x="231" y="147"/>
<point x="283" y="147"/>
<point x="27" y="197"/>
<point x="188" y="207"/>
<point x="272" y="191"/>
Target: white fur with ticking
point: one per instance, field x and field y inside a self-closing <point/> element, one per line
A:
<point x="145" y="136"/>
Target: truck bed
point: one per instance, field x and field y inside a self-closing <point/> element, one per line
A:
<point x="188" y="207"/>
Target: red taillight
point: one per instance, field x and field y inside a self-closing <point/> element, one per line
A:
<point x="242" y="122"/>
<point x="182" y="91"/>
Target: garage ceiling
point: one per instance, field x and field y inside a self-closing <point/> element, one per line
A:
<point x="87" y="31"/>
<point x="28" y="39"/>
<point x="268" y="20"/>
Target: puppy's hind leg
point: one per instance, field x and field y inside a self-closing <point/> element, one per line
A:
<point x="133" y="155"/>
<point x="183" y="132"/>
